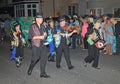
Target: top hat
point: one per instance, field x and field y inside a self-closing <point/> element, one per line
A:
<point x="38" y="15"/>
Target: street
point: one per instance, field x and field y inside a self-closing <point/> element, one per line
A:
<point x="108" y="74"/>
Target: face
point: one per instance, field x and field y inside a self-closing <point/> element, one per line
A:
<point x="112" y="20"/>
<point x="62" y="23"/>
<point x="17" y="28"/>
<point x="97" y="25"/>
<point x="39" y="20"/>
<point x="51" y="24"/>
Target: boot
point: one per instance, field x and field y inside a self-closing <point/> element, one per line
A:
<point x="51" y="58"/>
<point x="18" y="62"/>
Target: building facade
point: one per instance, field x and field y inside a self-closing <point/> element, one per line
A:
<point x="62" y="7"/>
<point x="100" y="7"/>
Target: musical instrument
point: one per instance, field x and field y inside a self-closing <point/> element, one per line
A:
<point x="71" y="28"/>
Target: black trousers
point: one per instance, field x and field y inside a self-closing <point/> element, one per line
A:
<point x="118" y="44"/>
<point x="39" y="53"/>
<point x="85" y="43"/>
<point x="19" y="51"/>
<point x="63" y="48"/>
<point x="93" y="55"/>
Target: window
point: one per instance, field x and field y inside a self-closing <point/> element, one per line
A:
<point x="116" y="12"/>
<point x="27" y="9"/>
<point x="73" y="9"/>
<point x="96" y="11"/>
<point x="32" y="8"/>
<point x="19" y="10"/>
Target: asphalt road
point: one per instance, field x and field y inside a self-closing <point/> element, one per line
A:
<point x="108" y="74"/>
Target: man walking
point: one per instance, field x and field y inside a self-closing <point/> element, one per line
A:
<point x="37" y="35"/>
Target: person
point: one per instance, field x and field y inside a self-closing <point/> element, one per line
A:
<point x="18" y="43"/>
<point x="61" y="35"/>
<point x="93" y="51"/>
<point x="75" y="25"/>
<point x="50" y="40"/>
<point x="37" y="34"/>
<point x="83" y="33"/>
<point x="116" y="30"/>
<point x="109" y="37"/>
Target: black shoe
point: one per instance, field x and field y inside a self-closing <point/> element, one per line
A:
<point x="51" y="60"/>
<point x="96" y="68"/>
<point x="44" y="76"/>
<point x="71" y="67"/>
<point x="58" y="66"/>
<point x="29" y="72"/>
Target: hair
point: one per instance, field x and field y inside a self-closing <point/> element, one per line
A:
<point x="15" y="25"/>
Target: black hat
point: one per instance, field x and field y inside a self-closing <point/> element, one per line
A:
<point x="62" y="18"/>
<point x="38" y="15"/>
<point x="16" y="23"/>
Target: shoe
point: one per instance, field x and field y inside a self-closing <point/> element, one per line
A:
<point x="71" y="67"/>
<point x="51" y="60"/>
<point x="18" y="62"/>
<point x="84" y="64"/>
<point x="105" y="53"/>
<point x="18" y="65"/>
<point x="96" y="68"/>
<point x="44" y="76"/>
<point x="58" y="66"/>
<point x="29" y="72"/>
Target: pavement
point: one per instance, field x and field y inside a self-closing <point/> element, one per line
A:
<point x="108" y="74"/>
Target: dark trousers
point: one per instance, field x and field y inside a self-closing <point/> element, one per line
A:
<point x="74" y="37"/>
<point x="118" y="44"/>
<point x="19" y="51"/>
<point x="93" y="55"/>
<point x="39" y="53"/>
<point x="85" y="43"/>
<point x="63" y="48"/>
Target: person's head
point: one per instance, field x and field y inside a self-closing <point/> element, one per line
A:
<point x="99" y="19"/>
<point x="108" y="22"/>
<point x="51" y="23"/>
<point x="62" y="21"/>
<point x="97" y="25"/>
<point x="16" y="27"/>
<point x="39" y="18"/>
<point x="105" y="17"/>
<point x="90" y="20"/>
<point x="113" y="20"/>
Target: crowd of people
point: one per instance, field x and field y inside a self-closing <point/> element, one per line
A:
<point x="58" y="35"/>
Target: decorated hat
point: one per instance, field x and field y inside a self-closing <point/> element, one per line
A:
<point x="62" y="18"/>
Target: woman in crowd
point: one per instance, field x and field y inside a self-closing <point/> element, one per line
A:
<point x="83" y="33"/>
<point x="109" y="37"/>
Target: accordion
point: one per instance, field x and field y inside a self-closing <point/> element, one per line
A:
<point x="99" y="43"/>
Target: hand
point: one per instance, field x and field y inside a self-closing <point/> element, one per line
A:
<point x="42" y="37"/>
<point x="62" y="34"/>
<point x="74" y="31"/>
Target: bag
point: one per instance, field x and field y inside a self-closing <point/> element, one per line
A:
<point x="100" y="44"/>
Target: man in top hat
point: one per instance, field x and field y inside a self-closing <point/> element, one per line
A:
<point x="37" y="35"/>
